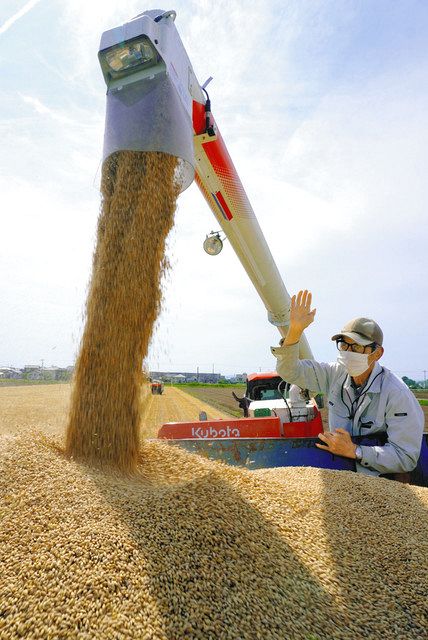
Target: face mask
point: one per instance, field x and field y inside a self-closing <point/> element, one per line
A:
<point x="354" y="363"/>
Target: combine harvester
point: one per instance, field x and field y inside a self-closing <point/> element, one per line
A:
<point x="155" y="103"/>
<point x="156" y="387"/>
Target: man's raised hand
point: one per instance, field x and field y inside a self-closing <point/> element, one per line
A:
<point x="301" y="316"/>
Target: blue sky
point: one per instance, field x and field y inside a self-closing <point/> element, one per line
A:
<point x="324" y="107"/>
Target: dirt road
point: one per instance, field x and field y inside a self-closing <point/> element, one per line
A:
<point x="45" y="407"/>
<point x="174" y="406"/>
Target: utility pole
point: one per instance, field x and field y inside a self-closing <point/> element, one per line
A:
<point x="213" y="368"/>
<point x="197" y="374"/>
<point x="425" y="379"/>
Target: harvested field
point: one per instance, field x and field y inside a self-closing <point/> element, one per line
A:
<point x="195" y="549"/>
<point x="18" y="382"/>
<point x="45" y="408"/>
<point x="41" y="407"/>
<point x="219" y="397"/>
<point x="174" y="406"/>
<point x="421" y="393"/>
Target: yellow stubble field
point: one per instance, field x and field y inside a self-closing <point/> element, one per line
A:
<point x="45" y="407"/>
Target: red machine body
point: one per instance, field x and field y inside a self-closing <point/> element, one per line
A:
<point x="241" y="428"/>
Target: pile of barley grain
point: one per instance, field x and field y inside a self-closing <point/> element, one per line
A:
<point x="138" y="203"/>
<point x="195" y="549"/>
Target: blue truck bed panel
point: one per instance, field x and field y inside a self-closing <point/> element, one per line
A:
<point x="262" y="453"/>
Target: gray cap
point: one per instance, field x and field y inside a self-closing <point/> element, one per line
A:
<point x="362" y="330"/>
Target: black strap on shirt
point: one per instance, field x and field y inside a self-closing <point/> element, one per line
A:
<point x="358" y="401"/>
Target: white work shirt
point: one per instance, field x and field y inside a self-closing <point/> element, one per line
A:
<point x="385" y="405"/>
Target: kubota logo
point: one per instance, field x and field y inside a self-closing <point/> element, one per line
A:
<point x="210" y="432"/>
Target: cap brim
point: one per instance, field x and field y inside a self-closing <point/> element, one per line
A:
<point x="357" y="337"/>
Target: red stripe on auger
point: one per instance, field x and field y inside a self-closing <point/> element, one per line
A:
<point x="223" y="203"/>
<point x="219" y="206"/>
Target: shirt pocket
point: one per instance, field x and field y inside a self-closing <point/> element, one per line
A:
<point x="370" y="424"/>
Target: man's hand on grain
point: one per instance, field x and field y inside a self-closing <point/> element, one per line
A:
<point x="338" y="442"/>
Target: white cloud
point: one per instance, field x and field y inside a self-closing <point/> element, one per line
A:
<point x="45" y="248"/>
<point x="42" y="109"/>
<point x="84" y="22"/>
<point x="19" y="14"/>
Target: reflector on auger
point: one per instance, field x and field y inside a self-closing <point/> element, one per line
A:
<point x="213" y="244"/>
<point x="155" y="103"/>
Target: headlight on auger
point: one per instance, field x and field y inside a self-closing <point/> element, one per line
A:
<point x="128" y="56"/>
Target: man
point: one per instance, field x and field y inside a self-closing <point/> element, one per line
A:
<point x="364" y="398"/>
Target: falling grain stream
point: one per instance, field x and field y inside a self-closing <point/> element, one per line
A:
<point x="138" y="204"/>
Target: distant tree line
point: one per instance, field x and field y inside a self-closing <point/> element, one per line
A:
<point x="413" y="384"/>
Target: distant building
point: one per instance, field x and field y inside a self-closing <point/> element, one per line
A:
<point x="178" y="378"/>
<point x="32" y="372"/>
<point x="35" y="372"/>
<point x="239" y="378"/>
<point x="10" y="373"/>
<point x="49" y="373"/>
<point x="57" y="373"/>
<point x="183" y="376"/>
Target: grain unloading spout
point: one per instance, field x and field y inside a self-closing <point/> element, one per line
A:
<point x="150" y="83"/>
<point x="155" y="103"/>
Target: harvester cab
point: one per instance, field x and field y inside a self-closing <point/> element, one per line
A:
<point x="270" y="395"/>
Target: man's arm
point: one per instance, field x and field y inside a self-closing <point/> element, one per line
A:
<point x="405" y="424"/>
<point x="306" y="374"/>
